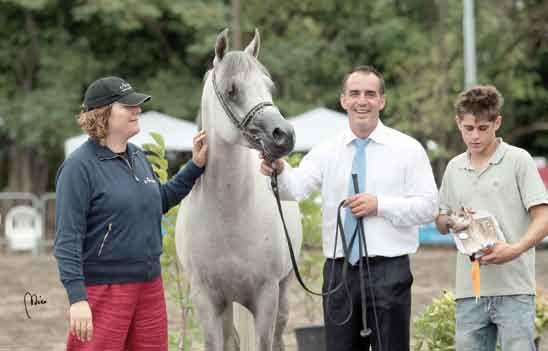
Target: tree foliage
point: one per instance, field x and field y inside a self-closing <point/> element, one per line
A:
<point x="52" y="49"/>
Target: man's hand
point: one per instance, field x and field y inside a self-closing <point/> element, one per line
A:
<point x="81" y="324"/>
<point x="362" y="205"/>
<point x="501" y="253"/>
<point x="267" y="166"/>
<point x="199" y="149"/>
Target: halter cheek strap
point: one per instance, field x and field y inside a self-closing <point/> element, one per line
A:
<point x="240" y="123"/>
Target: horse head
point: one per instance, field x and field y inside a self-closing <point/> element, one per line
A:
<point x="243" y="88"/>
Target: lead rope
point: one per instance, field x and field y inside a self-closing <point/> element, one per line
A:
<point x="357" y="234"/>
<point x="365" y="332"/>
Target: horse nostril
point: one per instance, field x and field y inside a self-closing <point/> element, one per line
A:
<point x="279" y="136"/>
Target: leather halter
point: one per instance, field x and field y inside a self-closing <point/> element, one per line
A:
<point x="240" y="123"/>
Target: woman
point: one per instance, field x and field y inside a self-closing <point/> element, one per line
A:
<point x="108" y="215"/>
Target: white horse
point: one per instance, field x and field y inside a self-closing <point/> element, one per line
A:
<point x="229" y="236"/>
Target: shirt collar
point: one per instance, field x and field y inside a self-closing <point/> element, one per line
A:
<point x="496" y="158"/>
<point x="378" y="135"/>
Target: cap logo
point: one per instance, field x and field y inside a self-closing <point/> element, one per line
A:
<point x="125" y="87"/>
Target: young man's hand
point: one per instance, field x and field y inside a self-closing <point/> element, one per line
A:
<point x="501" y="253"/>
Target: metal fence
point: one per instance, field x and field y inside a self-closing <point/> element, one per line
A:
<point x="44" y="204"/>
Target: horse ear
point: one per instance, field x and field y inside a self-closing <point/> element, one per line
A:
<point x="221" y="46"/>
<point x="255" y="45"/>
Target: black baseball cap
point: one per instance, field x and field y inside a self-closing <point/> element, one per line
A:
<point x="104" y="91"/>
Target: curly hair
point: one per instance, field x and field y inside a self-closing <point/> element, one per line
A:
<point x="482" y="101"/>
<point x="95" y="122"/>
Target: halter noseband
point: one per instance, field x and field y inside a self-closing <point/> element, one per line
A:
<point x="242" y="123"/>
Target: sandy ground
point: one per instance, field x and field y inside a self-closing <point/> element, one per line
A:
<point x="433" y="269"/>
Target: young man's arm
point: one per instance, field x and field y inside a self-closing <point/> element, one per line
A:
<point x="443" y="223"/>
<point x="537" y="230"/>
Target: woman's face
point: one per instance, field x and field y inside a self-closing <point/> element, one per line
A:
<point x="124" y="121"/>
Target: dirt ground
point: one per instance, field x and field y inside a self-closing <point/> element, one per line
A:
<point x="433" y="268"/>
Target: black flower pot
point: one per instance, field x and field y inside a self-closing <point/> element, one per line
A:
<point x="310" y="338"/>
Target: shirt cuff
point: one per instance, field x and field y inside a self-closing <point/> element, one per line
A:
<point x="76" y="291"/>
<point x="385" y="204"/>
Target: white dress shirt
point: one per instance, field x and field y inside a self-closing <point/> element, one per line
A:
<point x="398" y="172"/>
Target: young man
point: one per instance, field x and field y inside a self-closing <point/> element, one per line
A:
<point x="397" y="193"/>
<point x="501" y="179"/>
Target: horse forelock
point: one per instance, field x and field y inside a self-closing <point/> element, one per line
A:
<point x="240" y="63"/>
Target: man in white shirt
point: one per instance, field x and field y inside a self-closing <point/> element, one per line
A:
<point x="400" y="193"/>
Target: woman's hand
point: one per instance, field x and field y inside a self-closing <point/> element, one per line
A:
<point x="199" y="149"/>
<point x="81" y="323"/>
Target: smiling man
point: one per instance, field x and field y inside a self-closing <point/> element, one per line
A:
<point x="397" y="192"/>
<point x="503" y="180"/>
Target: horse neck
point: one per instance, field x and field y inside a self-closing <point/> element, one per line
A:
<point x="230" y="168"/>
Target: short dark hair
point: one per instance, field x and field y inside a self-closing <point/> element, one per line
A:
<point x="364" y="70"/>
<point x="482" y="101"/>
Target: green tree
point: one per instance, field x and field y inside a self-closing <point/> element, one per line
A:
<point x="51" y="50"/>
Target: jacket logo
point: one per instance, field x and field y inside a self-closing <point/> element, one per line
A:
<point x="149" y="180"/>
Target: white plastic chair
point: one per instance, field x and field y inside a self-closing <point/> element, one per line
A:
<point x="23" y="225"/>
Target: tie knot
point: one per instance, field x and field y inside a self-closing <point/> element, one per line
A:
<point x="361" y="143"/>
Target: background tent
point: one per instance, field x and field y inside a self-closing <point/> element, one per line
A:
<point x="315" y="126"/>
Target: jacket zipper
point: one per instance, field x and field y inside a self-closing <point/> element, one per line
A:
<point x="105" y="239"/>
<point x="131" y="168"/>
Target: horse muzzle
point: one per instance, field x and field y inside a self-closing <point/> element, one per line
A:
<point x="272" y="135"/>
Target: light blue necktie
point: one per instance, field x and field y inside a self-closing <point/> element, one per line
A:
<point x="358" y="167"/>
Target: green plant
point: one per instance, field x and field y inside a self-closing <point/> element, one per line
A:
<point x="434" y="329"/>
<point x="312" y="258"/>
<point x="177" y="287"/>
<point x="541" y="317"/>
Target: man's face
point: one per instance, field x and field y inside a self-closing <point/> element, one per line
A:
<point x="362" y="100"/>
<point x="478" y="134"/>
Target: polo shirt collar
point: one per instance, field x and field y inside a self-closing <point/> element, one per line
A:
<point x="496" y="158"/>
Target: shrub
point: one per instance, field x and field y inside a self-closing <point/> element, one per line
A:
<point x="177" y="287"/>
<point x="434" y="329"/>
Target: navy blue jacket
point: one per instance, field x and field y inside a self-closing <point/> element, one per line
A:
<point x="108" y="217"/>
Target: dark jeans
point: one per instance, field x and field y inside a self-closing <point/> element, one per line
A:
<point x="391" y="280"/>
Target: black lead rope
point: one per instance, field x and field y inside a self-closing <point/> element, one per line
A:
<point x="361" y="237"/>
<point x="357" y="234"/>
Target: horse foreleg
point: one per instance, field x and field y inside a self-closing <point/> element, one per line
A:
<point x="283" y="313"/>
<point x="210" y="316"/>
<point x="231" y="339"/>
<point x="265" y="312"/>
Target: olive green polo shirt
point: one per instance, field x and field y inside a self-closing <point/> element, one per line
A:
<point x="507" y="188"/>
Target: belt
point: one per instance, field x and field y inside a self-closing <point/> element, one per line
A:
<point x="372" y="259"/>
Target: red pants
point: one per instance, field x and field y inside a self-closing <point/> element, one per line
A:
<point x="126" y="317"/>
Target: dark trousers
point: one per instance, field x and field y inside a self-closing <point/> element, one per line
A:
<point x="391" y="281"/>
